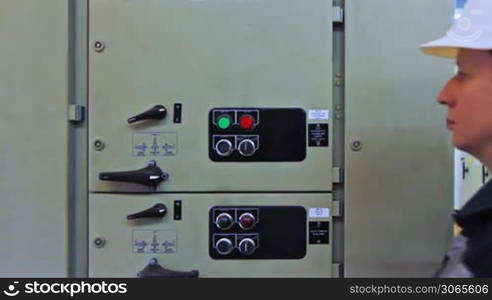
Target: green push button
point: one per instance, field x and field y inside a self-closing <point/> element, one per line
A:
<point x="224" y="221"/>
<point x="224" y="122"/>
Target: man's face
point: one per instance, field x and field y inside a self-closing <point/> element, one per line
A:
<point x="468" y="96"/>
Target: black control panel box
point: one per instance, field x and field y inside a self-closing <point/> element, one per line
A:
<point x="259" y="232"/>
<point x="257" y="134"/>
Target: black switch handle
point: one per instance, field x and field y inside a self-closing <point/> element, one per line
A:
<point x="157" y="112"/>
<point x="157" y="211"/>
<point x="153" y="269"/>
<point x="151" y="175"/>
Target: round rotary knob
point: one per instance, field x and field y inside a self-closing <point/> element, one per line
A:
<point x="247" y="246"/>
<point x="247" y="147"/>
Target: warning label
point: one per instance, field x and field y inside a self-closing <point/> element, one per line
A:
<point x="319" y="232"/>
<point x="318" y="135"/>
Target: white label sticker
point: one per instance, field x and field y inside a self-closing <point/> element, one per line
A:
<point x="319" y="212"/>
<point x="319" y="114"/>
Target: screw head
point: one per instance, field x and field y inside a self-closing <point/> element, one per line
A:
<point x="99" y="242"/>
<point x="98" y="145"/>
<point x="356" y="145"/>
<point x="99" y="46"/>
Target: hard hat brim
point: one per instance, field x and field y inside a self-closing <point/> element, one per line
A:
<point x="449" y="47"/>
<point x="443" y="47"/>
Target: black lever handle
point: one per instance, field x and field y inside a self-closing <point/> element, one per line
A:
<point x="153" y="269"/>
<point x="151" y="175"/>
<point x="157" y="112"/>
<point x="157" y="211"/>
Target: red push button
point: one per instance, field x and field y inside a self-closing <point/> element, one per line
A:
<point x="247" y="221"/>
<point x="246" y="122"/>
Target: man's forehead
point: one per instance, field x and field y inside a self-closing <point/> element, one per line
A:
<point x="467" y="57"/>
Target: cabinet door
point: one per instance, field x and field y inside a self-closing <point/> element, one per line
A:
<point x="399" y="186"/>
<point x="291" y="233"/>
<point x="34" y="131"/>
<point x="202" y="59"/>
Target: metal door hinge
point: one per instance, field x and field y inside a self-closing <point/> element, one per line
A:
<point x="338" y="14"/>
<point x="336" y="270"/>
<point x="75" y="113"/>
<point x="337" y="175"/>
<point x="336" y="209"/>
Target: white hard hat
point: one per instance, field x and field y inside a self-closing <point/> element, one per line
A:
<point x="473" y="30"/>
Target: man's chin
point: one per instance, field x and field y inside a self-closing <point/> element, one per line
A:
<point x="461" y="145"/>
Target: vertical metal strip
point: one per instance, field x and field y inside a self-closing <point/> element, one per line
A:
<point x="78" y="217"/>
<point x="338" y="133"/>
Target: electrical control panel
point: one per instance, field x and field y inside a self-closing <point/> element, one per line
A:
<point x="216" y="235"/>
<point x="266" y="135"/>
<point x="211" y="147"/>
<point x="263" y="232"/>
<point x="215" y="104"/>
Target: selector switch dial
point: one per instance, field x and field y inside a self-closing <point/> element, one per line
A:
<point x="224" y="246"/>
<point x="247" y="147"/>
<point x="247" y="246"/>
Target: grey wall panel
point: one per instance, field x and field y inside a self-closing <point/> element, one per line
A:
<point x="34" y="134"/>
<point x="399" y="188"/>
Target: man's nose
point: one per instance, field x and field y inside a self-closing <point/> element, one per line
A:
<point x="446" y="95"/>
